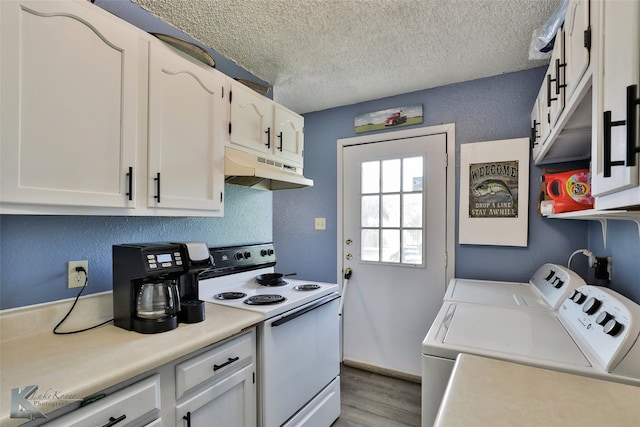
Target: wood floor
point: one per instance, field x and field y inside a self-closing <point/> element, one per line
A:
<point x="374" y="400"/>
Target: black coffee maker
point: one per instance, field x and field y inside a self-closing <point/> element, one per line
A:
<point x="196" y="258"/>
<point x="155" y="285"/>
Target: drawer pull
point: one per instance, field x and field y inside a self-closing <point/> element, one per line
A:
<point x="228" y="362"/>
<point x="114" y="421"/>
<point x="187" y="418"/>
<point x="632" y="124"/>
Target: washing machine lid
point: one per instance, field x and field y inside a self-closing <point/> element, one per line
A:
<point x="509" y="333"/>
<point x="495" y="293"/>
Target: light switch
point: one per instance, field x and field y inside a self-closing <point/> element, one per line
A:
<point x="321" y="223"/>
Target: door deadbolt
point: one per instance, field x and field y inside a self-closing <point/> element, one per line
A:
<point x="349" y="256"/>
<point x="348" y="241"/>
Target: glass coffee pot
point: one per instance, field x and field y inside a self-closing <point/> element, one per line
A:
<point x="157" y="300"/>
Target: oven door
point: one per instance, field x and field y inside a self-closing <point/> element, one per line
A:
<point x="299" y="357"/>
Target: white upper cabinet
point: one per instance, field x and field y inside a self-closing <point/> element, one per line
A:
<point x="187" y="117"/>
<point x="69" y="82"/>
<point x="265" y="127"/>
<point x="562" y="131"/>
<point x="289" y="135"/>
<point x="616" y="124"/>
<point x="251" y="119"/>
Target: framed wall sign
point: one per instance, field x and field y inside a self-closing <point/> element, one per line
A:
<point x="494" y="193"/>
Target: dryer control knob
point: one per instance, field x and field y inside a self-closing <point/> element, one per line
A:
<point x="578" y="297"/>
<point x="239" y="256"/>
<point x="613" y="327"/>
<point x="247" y="255"/>
<point x="592" y="305"/>
<point x="603" y="318"/>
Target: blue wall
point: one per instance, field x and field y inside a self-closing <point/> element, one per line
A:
<point x="35" y="249"/>
<point x="487" y="109"/>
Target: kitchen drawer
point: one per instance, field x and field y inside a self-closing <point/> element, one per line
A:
<point x="215" y="363"/>
<point x="136" y="405"/>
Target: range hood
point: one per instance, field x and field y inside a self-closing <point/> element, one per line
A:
<point x="256" y="171"/>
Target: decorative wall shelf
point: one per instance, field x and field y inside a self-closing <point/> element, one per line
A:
<point x="602" y="217"/>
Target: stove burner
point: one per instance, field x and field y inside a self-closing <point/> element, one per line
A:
<point x="306" y="287"/>
<point x="230" y="295"/>
<point x="265" y="299"/>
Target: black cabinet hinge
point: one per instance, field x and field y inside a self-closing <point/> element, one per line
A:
<point x="229" y="128"/>
<point x="230" y="96"/>
<point x="254" y="377"/>
<point x="587" y="39"/>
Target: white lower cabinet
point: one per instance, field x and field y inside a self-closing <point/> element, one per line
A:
<point x="218" y="386"/>
<point x="135" y="405"/>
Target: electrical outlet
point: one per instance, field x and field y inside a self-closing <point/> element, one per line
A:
<point x="603" y="268"/>
<point x="77" y="279"/>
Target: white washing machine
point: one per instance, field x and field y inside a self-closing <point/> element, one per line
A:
<point x="546" y="289"/>
<point x="594" y="333"/>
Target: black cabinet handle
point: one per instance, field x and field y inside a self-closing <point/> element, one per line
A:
<point x="606" y="144"/>
<point x="268" y="132"/>
<point x="187" y="418"/>
<point x="632" y="124"/>
<point x="114" y="421"/>
<point x="157" y="180"/>
<point x="130" y="183"/>
<point x="280" y="137"/>
<point x="549" y="98"/>
<point x="534" y="134"/>
<point x="228" y="362"/>
<point x="557" y="79"/>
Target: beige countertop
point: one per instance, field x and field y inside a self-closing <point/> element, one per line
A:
<point x="489" y="392"/>
<point x="79" y="365"/>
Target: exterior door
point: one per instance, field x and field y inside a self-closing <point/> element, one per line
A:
<point x="394" y="215"/>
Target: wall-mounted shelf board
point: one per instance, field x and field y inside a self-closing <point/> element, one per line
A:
<point x="602" y="217"/>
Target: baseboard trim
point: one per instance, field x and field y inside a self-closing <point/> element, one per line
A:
<point x="383" y="371"/>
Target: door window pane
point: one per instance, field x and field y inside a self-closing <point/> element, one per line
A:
<point x="370" y="245"/>
<point x="370" y="177"/>
<point x="391" y="245"/>
<point x="412" y="247"/>
<point x="370" y="211"/>
<point x="412" y="210"/>
<point x="391" y="176"/>
<point x="391" y="210"/>
<point x="412" y="174"/>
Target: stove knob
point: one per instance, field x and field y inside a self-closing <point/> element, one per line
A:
<point x="578" y="297"/>
<point x="603" y="318"/>
<point x="239" y="256"/>
<point x="271" y="252"/>
<point x="592" y="305"/>
<point x="613" y="327"/>
<point x="264" y="252"/>
<point x="247" y="255"/>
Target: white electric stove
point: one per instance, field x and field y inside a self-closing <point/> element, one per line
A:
<point x="595" y="332"/>
<point x="546" y="290"/>
<point x="297" y="344"/>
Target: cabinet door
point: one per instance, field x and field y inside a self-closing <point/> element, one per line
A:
<point x="69" y="81"/>
<point x="186" y="121"/>
<point x="576" y="23"/>
<point x="619" y="69"/>
<point x="289" y="135"/>
<point x="251" y="119"/>
<point x="230" y="402"/>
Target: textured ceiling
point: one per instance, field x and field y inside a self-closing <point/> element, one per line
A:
<point x="320" y="54"/>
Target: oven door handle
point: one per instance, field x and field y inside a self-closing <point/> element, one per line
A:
<point x="319" y="302"/>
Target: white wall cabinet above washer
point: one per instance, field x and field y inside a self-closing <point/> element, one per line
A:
<point x="69" y="90"/>
<point x="187" y="115"/>
<point x="561" y="116"/>
<point x="616" y="144"/>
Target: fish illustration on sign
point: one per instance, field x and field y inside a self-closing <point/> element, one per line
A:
<point x="493" y="190"/>
<point x="491" y="186"/>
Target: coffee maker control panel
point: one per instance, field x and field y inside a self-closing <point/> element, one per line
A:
<point x="164" y="259"/>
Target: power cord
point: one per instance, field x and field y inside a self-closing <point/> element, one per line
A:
<point x="592" y="259"/>
<point x="55" y="328"/>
